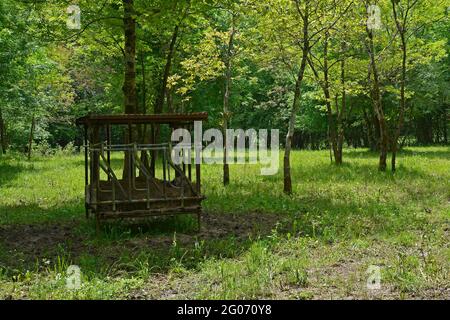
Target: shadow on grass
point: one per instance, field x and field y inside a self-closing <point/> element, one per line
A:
<point x="443" y="153"/>
<point x="122" y="246"/>
<point x="431" y="154"/>
<point x="30" y="234"/>
<point x="158" y="245"/>
<point x="35" y="214"/>
<point x="10" y="171"/>
<point x="347" y="173"/>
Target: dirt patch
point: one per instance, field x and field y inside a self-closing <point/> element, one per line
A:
<point x="25" y="244"/>
<point x="345" y="280"/>
<point x="215" y="227"/>
<point x="241" y="225"/>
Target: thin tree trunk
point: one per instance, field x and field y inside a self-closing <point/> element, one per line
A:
<point x="377" y="104"/>
<point x="341" y="116"/>
<point x="371" y="134"/>
<point x="295" y="106"/>
<point x="31" y="137"/>
<point x="325" y="85"/>
<point x="159" y="105"/>
<point x="290" y="134"/>
<point x="169" y="97"/>
<point x="330" y="147"/>
<point x="401" y="29"/>
<point x="129" y="85"/>
<point x="326" y="90"/>
<point x="144" y="128"/>
<point x="226" y="100"/>
<point x="144" y="85"/>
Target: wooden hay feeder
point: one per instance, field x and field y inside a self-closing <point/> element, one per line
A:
<point x="139" y="188"/>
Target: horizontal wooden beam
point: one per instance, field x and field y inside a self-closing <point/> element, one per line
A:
<point x="128" y="119"/>
<point x="148" y="213"/>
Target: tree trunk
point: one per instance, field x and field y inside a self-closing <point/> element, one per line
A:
<point x="402" y="109"/>
<point x="326" y="91"/>
<point x="377" y="104"/>
<point x="424" y="129"/>
<point x="295" y="106"/>
<point x="325" y="85"/>
<point x="372" y="129"/>
<point x="169" y="97"/>
<point x="31" y="137"/>
<point x="341" y="116"/>
<point x="144" y="137"/>
<point x="129" y="85"/>
<point x="144" y="85"/>
<point x="226" y="100"/>
<point x="159" y="104"/>
<point x="401" y="29"/>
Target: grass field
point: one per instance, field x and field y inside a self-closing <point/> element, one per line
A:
<point x="255" y="241"/>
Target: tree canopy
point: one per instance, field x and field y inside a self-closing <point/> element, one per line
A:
<point x="316" y="70"/>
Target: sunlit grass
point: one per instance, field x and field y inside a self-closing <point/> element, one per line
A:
<point x="351" y="215"/>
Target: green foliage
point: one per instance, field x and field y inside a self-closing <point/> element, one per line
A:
<point x="316" y="243"/>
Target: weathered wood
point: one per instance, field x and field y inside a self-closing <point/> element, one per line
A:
<point x="124" y="119"/>
<point x="134" y="196"/>
<point x="148" y="213"/>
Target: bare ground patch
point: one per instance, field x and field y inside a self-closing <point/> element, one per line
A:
<point x="329" y="278"/>
<point x="342" y="277"/>
<point x="34" y="242"/>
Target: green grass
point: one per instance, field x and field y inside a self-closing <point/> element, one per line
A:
<point x="256" y="242"/>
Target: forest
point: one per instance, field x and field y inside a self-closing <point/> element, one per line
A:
<point x="358" y="89"/>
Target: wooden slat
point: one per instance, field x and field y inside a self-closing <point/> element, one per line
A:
<point x="148" y="213"/>
<point x="124" y="119"/>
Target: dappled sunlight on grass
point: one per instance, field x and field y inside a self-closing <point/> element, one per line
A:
<point x="256" y="241"/>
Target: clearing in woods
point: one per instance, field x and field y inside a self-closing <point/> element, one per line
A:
<point x="255" y="242"/>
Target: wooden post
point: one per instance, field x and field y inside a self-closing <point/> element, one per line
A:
<point x="153" y="152"/>
<point x="190" y="156"/>
<point x="197" y="177"/>
<point x="96" y="160"/>
<point x="130" y="162"/>
<point x="108" y="145"/>
<point x="95" y="168"/>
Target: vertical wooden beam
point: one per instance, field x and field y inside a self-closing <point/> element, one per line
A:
<point x="153" y="152"/>
<point x="198" y="170"/>
<point x="190" y="155"/>
<point x="108" y="145"/>
<point x="198" y="177"/>
<point x="96" y="160"/>
<point x="131" y="163"/>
